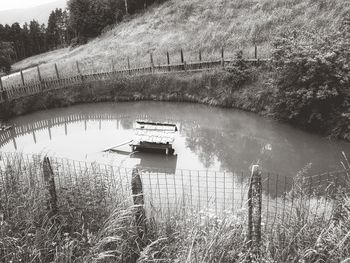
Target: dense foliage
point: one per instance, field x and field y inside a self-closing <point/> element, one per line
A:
<point x="6" y="52"/>
<point x="82" y="20"/>
<point x="312" y="79"/>
<point x="32" y="39"/>
<point x="88" y="18"/>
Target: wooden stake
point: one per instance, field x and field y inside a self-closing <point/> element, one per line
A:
<point x="254" y="210"/>
<point x="113" y="69"/>
<point x="138" y="198"/>
<point x="168" y="60"/>
<point x="129" y="65"/>
<point x="1" y="85"/>
<point x="222" y="57"/>
<point x="22" y="77"/>
<point x="256" y="52"/>
<point x="78" y="69"/>
<point x="182" y="56"/>
<point x="152" y="63"/>
<point x="49" y="181"/>
<point x="56" y="69"/>
<point x="39" y="75"/>
<point x="200" y="56"/>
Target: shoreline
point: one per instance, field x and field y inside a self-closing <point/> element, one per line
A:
<point x="212" y="88"/>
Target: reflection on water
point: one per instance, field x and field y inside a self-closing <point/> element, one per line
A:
<point x="209" y="139"/>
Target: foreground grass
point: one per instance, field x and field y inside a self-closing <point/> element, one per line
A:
<point x="193" y="25"/>
<point x="88" y="228"/>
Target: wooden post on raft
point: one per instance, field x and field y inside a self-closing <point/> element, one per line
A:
<point x="49" y="182"/>
<point x="138" y="199"/>
<point x="57" y="74"/>
<point x="39" y="74"/>
<point x="22" y="77"/>
<point x="254" y="211"/>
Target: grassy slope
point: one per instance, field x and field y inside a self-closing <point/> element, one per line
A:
<point x="193" y="25"/>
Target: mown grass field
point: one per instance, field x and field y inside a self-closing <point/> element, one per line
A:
<point x="192" y="25"/>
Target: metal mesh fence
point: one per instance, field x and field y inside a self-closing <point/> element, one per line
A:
<point x="169" y="194"/>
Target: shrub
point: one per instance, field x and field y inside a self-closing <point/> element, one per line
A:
<point x="312" y="79"/>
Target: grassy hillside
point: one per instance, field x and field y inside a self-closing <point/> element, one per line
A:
<point x="193" y="25"/>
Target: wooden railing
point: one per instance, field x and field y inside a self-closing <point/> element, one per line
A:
<point x="45" y="84"/>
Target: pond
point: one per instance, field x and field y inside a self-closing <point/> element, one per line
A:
<point x="209" y="138"/>
<point x="210" y="169"/>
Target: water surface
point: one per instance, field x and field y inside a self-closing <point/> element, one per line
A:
<point x="209" y="138"/>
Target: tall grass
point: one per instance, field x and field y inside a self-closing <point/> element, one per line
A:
<point x="89" y="229"/>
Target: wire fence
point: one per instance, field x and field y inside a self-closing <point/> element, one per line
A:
<point x="51" y="76"/>
<point x="168" y="194"/>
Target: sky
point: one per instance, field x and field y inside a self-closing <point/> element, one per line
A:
<point x="15" y="4"/>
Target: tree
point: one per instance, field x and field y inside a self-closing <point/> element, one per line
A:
<point x="6" y="54"/>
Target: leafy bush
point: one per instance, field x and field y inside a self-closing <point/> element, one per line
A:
<point x="312" y="79"/>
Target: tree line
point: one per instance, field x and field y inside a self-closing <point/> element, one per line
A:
<point x="82" y="20"/>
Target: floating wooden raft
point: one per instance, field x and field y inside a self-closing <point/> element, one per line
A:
<point x="154" y="136"/>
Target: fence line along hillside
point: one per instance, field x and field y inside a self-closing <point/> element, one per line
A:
<point x="18" y="86"/>
<point x="183" y="192"/>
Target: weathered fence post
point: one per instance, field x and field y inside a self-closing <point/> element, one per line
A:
<point x="168" y="60"/>
<point x="22" y="77"/>
<point x="182" y="60"/>
<point x="222" y="58"/>
<point x="56" y="69"/>
<point x="254" y="210"/>
<point x="39" y="74"/>
<point x="200" y="58"/>
<point x="151" y="61"/>
<point x="78" y="68"/>
<point x="137" y="193"/>
<point x="129" y="66"/>
<point x="112" y="64"/>
<point x="49" y="182"/>
<point x="256" y="52"/>
<point x="1" y="85"/>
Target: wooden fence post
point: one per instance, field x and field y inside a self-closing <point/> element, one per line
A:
<point x="112" y="63"/>
<point x="1" y="85"/>
<point x="151" y="61"/>
<point x="254" y="210"/>
<point x="78" y="69"/>
<point x="255" y="52"/>
<point x="222" y="58"/>
<point x="129" y="65"/>
<point x="22" y="77"/>
<point x="39" y="75"/>
<point x="138" y="198"/>
<point x="168" y="60"/>
<point x="56" y="69"/>
<point x="182" y="59"/>
<point x="49" y="182"/>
